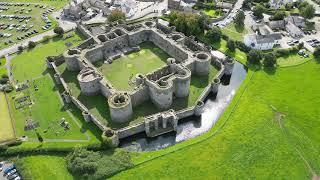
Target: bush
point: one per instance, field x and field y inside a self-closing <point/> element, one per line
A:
<point x="20" y="49"/>
<point x="240" y="45"/>
<point x="316" y="53"/>
<point x="58" y="30"/>
<point x="214" y="34"/>
<point x="269" y="60"/>
<point x="97" y="165"/>
<point x="116" y="15"/>
<point x="231" y="45"/>
<point x="4" y="76"/>
<point x="254" y="57"/>
<point x="31" y="44"/>
<point x="83" y="162"/>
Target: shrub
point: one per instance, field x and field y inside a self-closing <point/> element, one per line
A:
<point x="254" y="57"/>
<point x="316" y="53"/>
<point x="20" y="49"/>
<point x="269" y="60"/>
<point x="116" y="15"/>
<point x="31" y="44"/>
<point x="97" y="165"/>
<point x="214" y="34"/>
<point x="58" y="30"/>
<point x="231" y="45"/>
<point x="4" y="76"/>
<point x="240" y="45"/>
<point x="83" y="162"/>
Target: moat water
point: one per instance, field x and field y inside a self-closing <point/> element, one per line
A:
<point x="192" y="126"/>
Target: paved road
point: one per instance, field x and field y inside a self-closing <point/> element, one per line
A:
<point x="65" y="24"/>
<point x="232" y="14"/>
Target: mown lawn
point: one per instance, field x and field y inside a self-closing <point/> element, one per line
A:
<point x="234" y="33"/>
<point x="272" y="132"/>
<point x="237" y="54"/>
<point x="211" y="12"/>
<point x="47" y="109"/>
<point x="32" y="63"/>
<point x="124" y="69"/>
<point x="6" y="128"/>
<point x="292" y="60"/>
<point x="44" y="167"/>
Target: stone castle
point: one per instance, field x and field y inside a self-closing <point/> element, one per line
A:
<point x="161" y="87"/>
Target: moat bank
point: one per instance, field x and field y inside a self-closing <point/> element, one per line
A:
<point x="193" y="126"/>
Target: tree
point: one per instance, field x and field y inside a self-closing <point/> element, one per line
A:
<point x="269" y="60"/>
<point x="20" y="49"/>
<point x="83" y="162"/>
<point x="308" y="11"/>
<point x="279" y="15"/>
<point x="31" y="44"/>
<point x="214" y="34"/>
<point x="258" y="11"/>
<point x="239" y="19"/>
<point x="231" y="45"/>
<point x="188" y="23"/>
<point x="316" y="53"/>
<point x="254" y="57"/>
<point x="116" y="15"/>
<point x="58" y="30"/>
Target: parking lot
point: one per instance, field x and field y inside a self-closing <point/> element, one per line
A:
<point x="19" y="21"/>
<point x="11" y="173"/>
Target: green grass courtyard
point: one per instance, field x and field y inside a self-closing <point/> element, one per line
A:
<point x="122" y="70"/>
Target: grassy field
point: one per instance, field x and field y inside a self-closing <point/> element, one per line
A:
<point x="6" y="128"/>
<point x="292" y="60"/>
<point x="2" y="62"/>
<point x="234" y="32"/>
<point x="211" y="12"/>
<point x="44" y="167"/>
<point x="271" y="131"/>
<point x="99" y="107"/>
<point x="237" y="54"/>
<point x="36" y="22"/>
<point x="47" y="109"/>
<point x="55" y="3"/>
<point x="122" y="70"/>
<point x="31" y="63"/>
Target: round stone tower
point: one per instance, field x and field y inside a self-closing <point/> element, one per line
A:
<point x="182" y="83"/>
<point x="161" y="93"/>
<point x="215" y="85"/>
<point x="89" y="81"/>
<point x="202" y="63"/>
<point x="228" y="64"/>
<point x="72" y="59"/>
<point x="120" y="107"/>
<point x="199" y="108"/>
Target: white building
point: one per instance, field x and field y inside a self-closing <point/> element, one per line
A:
<point x="277" y="4"/>
<point x="262" y="42"/>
